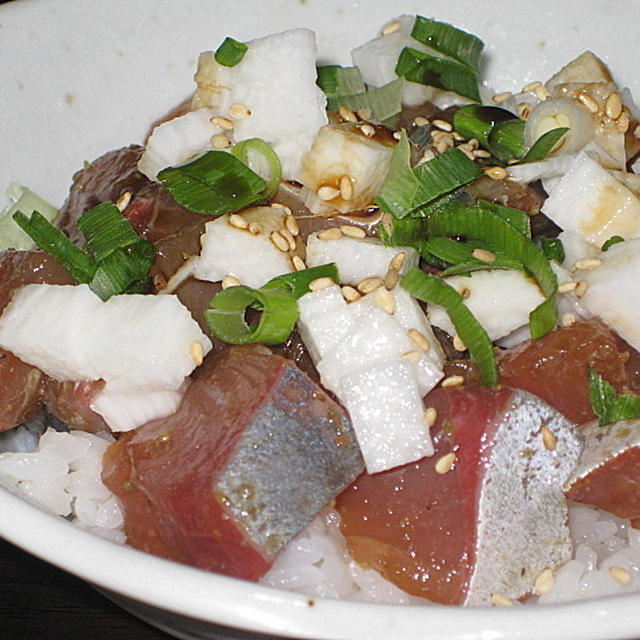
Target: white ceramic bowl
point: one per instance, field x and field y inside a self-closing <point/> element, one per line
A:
<point x="79" y="77"/>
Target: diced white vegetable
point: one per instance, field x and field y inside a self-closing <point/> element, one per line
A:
<point x="386" y="411"/>
<point x="270" y="94"/>
<point x="177" y="141"/>
<point x="247" y="253"/>
<point x="342" y="152"/>
<point x="357" y="258"/>
<point x="585" y="68"/>
<point x="135" y="343"/>
<point x="612" y="292"/>
<point x="500" y="300"/>
<point x="590" y="202"/>
<point x="575" y="248"/>
<point x="324" y="320"/>
<point x="568" y="302"/>
<point x="551" y="167"/>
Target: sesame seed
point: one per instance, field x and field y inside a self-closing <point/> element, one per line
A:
<point x="391" y="278"/>
<point x="279" y="241"/>
<point x="623" y="122"/>
<point x="291" y="241"/>
<point x="369" y="284"/>
<point x="413" y="356"/>
<point x="613" y="106"/>
<point x="445" y="463"/>
<point x="397" y="261"/>
<point x="496" y="173"/>
<point x="458" y="344"/>
<point x="543" y="582"/>
<point x="397" y="135"/>
<point x="581" y="288"/>
<point x="467" y="152"/>
<point x="279" y="205"/>
<point x="220" y="141"/>
<point x="391" y="27"/>
<point x="524" y="110"/>
<point x="159" y="282"/>
<point x="239" y="111"/>
<point x="458" y="136"/>
<point x="498" y="600"/>
<point x="419" y="340"/>
<point x="501" y="97"/>
<point x="586" y="264"/>
<point x="452" y="381"/>
<point x="238" y="221"/>
<point x="385" y="300"/>
<point x="363" y="114"/>
<point x="430" y="416"/>
<point x="481" y="153"/>
<point x="332" y="233"/>
<point x="589" y="102"/>
<point x="541" y="93"/>
<point x="427" y="155"/>
<point x="367" y="130"/>
<point x="620" y="575"/>
<point x="568" y="319"/>
<point x="473" y="144"/>
<point x="255" y="228"/>
<point x="196" y="352"/>
<point x="443" y="124"/>
<point x="123" y="201"/>
<point x="443" y="144"/>
<point x="442" y="135"/>
<point x="465" y="292"/>
<point x="531" y="87"/>
<point x="347" y="114"/>
<point x="420" y="121"/>
<point x="223" y="123"/>
<point x="350" y="293"/>
<point x="566" y="287"/>
<point x="346" y="188"/>
<point x="298" y="263"/>
<point x="352" y="231"/>
<point x="327" y="193"/>
<point x="292" y="225"/>
<point x="548" y="439"/>
<point x="483" y="254"/>
<point x="320" y="283"/>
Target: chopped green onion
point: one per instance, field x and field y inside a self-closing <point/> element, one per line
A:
<point x="417" y="66"/>
<point x="477" y="121"/>
<point x="226" y="315"/>
<point x="435" y="290"/>
<point x="506" y="140"/>
<point x="335" y="80"/>
<point x="611" y="241"/>
<point x="448" y="40"/>
<point x="56" y="244"/>
<point x="607" y="404"/>
<point x="297" y="282"/>
<point x="230" y="52"/>
<point x="213" y="184"/>
<point x="552" y="249"/>
<point x="543" y="145"/>
<point x="262" y="160"/>
<point x="518" y="219"/>
<point x="383" y="102"/>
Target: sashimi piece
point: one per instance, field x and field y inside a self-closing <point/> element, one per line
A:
<point x="485" y="515"/>
<point x="254" y="451"/>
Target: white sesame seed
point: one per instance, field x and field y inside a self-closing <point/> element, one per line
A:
<point x="332" y="233"/>
<point x="442" y="124"/>
<point x="531" y="87"/>
<point x="420" y="121"/>
<point x="445" y="463"/>
<point x="346" y="188"/>
<point x="589" y="102"/>
<point x="397" y="261"/>
<point x="481" y="153"/>
<point x="230" y="281"/>
<point x="397" y="135"/>
<point x="620" y="575"/>
<point x="568" y="319"/>
<point x="279" y="241"/>
<point x="298" y="263"/>
<point x="613" y="106"/>
<point x="473" y="144"/>
<point x="452" y="381"/>
<point x="320" y="283"/>
<point x="196" y="352"/>
<point x="467" y="152"/>
<point x="458" y="136"/>
<point x="223" y="123"/>
<point x="239" y="111"/>
<point x="623" y="122"/>
<point x="123" y="201"/>
<point x="498" y="600"/>
<point x="419" y="340"/>
<point x="501" y="97"/>
<point x="255" y="228"/>
<point x="390" y="27"/>
<point x="483" y="254"/>
<point x="291" y="241"/>
<point x="347" y="114"/>
<point x="412" y="356"/>
<point x="279" y="205"/>
<point x="443" y="144"/>
<point x="586" y="264"/>
<point x="369" y="284"/>
<point x="385" y="300"/>
<point x="391" y="278"/>
<point x="352" y="231"/>
<point x="544" y="582"/>
<point x="292" y="225"/>
<point x="458" y="344"/>
<point x="465" y="292"/>
<point x="430" y="416"/>
<point x="238" y="221"/>
<point x="327" y="192"/>
<point x="566" y="287"/>
<point x="363" y="114"/>
<point x="350" y="293"/>
<point x="220" y="141"/>
<point x="548" y="439"/>
<point x="367" y="130"/>
<point x="495" y="173"/>
<point x="524" y="110"/>
<point x="542" y="94"/>
<point x="581" y="288"/>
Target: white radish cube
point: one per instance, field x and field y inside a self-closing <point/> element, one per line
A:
<point x="324" y="320"/>
<point x="387" y="412"/>
<point x="251" y="257"/>
<point x="591" y="203"/>
<point x="177" y="141"/>
<point x="575" y="248"/>
<point x="357" y="258"/>
<point x="612" y="292"/>
<point x="343" y="151"/>
<point x="501" y="301"/>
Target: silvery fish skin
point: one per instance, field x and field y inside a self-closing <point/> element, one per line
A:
<point x="522" y="509"/>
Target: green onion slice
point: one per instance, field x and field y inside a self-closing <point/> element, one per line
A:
<point x="518" y="219"/>
<point x="335" y="80"/>
<point x="297" y="282"/>
<point x="417" y="66"/>
<point x="435" y="290"/>
<point x="230" y="52"/>
<point x="607" y="404"/>
<point x="214" y="184"/>
<point x="543" y="145"/>
<point x="506" y="140"/>
<point x="477" y="121"/>
<point x="226" y="315"/>
<point x="383" y="102"/>
<point x="262" y="160"/>
<point x="448" y="40"/>
<point x="552" y="249"/>
<point x="610" y="242"/>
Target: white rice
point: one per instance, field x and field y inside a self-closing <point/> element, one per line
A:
<point x="61" y="474"/>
